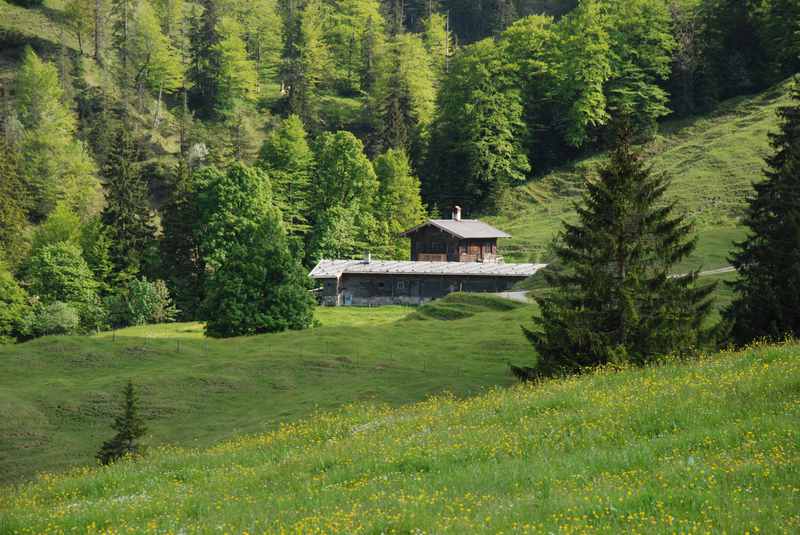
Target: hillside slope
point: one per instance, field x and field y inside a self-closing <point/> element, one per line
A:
<point x="712" y="159"/>
<point x="58" y="394"/>
<point x="705" y="446"/>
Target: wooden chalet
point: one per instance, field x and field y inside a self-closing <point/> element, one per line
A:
<point x="455" y="240"/>
<point x="447" y="255"/>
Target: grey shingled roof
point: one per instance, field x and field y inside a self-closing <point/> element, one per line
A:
<point x="463" y="228"/>
<point x="333" y="269"/>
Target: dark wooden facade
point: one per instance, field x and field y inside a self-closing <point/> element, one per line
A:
<point x="432" y="244"/>
<point x="372" y="289"/>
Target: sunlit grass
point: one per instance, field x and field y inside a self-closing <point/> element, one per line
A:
<point x="58" y="394"/>
<point x="712" y="160"/>
<point x="708" y="446"/>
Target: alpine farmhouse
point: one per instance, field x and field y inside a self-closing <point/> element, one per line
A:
<point x="447" y="255"/>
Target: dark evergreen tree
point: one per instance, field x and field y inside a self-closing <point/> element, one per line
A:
<point x="615" y="299"/>
<point x="204" y="59"/>
<point x="306" y="59"/>
<point x="182" y="263"/>
<point x="129" y="426"/>
<point x="767" y="303"/>
<point x="368" y="46"/>
<point x="127" y="213"/>
<point x="396" y="16"/>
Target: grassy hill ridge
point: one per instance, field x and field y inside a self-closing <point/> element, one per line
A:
<point x="712" y="160"/>
<point x="701" y="446"/>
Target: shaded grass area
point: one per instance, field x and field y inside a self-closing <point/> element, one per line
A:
<point x="706" y="446"/>
<point x="58" y="395"/>
<point x="713" y="161"/>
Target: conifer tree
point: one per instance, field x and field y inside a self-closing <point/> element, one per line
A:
<point x="767" y="302"/>
<point x="130" y="427"/>
<point x="439" y="43"/>
<point x="306" y="59"/>
<point x="615" y="299"/>
<point x="236" y="76"/>
<point x="122" y="13"/>
<point x="289" y="162"/>
<point x="127" y="213"/>
<point x="78" y="18"/>
<point x="54" y="165"/>
<point x="155" y="61"/>
<point x="182" y="263"/>
<point x="203" y="59"/>
<point x="13" y="209"/>
<point x="403" y="98"/>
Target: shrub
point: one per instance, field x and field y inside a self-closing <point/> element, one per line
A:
<point x="57" y="273"/>
<point x="14" y="307"/>
<point x="142" y="302"/>
<point x="54" y="318"/>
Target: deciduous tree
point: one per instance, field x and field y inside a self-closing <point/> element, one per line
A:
<point x="253" y="285"/>
<point x="288" y="160"/>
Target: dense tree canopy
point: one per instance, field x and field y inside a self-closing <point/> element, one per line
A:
<point x="367" y="113"/>
<point x="53" y="163"/>
<point x="254" y="284"/>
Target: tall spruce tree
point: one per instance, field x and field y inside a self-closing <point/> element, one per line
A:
<point x="767" y="303"/>
<point x="182" y="263"/>
<point x="203" y="58"/>
<point x="127" y="213"/>
<point x="403" y="97"/>
<point x="129" y="426"/>
<point x="306" y="58"/>
<point x="615" y="299"/>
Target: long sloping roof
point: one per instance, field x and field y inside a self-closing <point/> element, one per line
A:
<point x="462" y="228"/>
<point x="333" y="269"/>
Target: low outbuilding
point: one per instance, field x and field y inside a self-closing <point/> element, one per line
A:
<point x="388" y="282"/>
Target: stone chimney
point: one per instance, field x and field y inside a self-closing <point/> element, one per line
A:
<point x="457" y="213"/>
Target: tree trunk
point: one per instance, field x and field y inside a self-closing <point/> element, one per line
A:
<point x="97" y="26"/>
<point x="157" y="118"/>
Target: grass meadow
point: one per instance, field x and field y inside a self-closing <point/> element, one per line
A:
<point x="707" y="446"/>
<point x="58" y="395"/>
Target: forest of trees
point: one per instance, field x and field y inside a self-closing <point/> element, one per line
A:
<point x="185" y="152"/>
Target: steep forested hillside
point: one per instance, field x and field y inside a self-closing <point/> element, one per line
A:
<point x="172" y="152"/>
